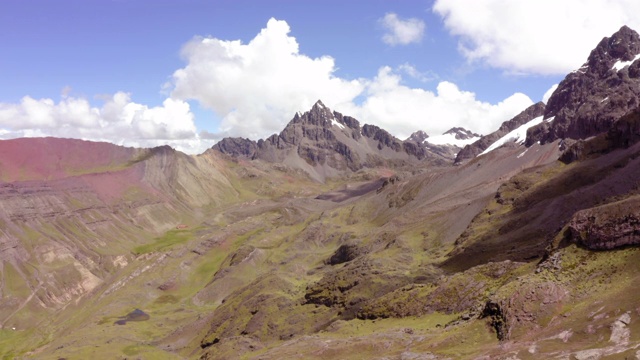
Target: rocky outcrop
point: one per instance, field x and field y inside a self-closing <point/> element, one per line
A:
<point x="622" y="134"/>
<point x="351" y="286"/>
<point x="345" y="253"/>
<point x="237" y="147"/>
<point x="497" y="319"/>
<point x="607" y="227"/>
<point x="520" y="310"/>
<point x="473" y="150"/>
<point x="590" y="99"/>
<point x="383" y="138"/>
<point x="626" y="131"/>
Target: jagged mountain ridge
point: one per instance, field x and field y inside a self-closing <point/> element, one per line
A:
<point x="326" y="143"/>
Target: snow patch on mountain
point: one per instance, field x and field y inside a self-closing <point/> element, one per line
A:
<point x="335" y="122"/>
<point x="518" y="135"/>
<point x="450" y="139"/>
<point x="619" y="65"/>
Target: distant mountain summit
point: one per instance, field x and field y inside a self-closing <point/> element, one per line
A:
<point x="325" y="143"/>
<point x="460" y="133"/>
<point x="418" y="137"/>
<point x="591" y="98"/>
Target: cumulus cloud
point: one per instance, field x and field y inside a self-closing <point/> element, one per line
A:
<point x="534" y="37"/>
<point x="403" y="110"/>
<point x="119" y="120"/>
<point x="257" y="87"/>
<point x="548" y="93"/>
<point x="416" y="74"/>
<point x="401" y="32"/>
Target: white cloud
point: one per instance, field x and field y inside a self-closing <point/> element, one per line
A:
<point x="403" y="110"/>
<point x="416" y="74"/>
<point x="401" y="32"/>
<point x="257" y="87"/>
<point x="534" y="37"/>
<point x="548" y="93"/>
<point x="119" y="121"/>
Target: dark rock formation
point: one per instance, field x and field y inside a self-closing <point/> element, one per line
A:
<point x="607" y="227"/>
<point x="344" y="253"/>
<point x="237" y="147"/>
<point x="626" y="131"/>
<point x="383" y="138"/>
<point x="622" y="134"/>
<point x="497" y="318"/>
<point x="418" y="137"/>
<point x="590" y="99"/>
<point x="473" y="150"/>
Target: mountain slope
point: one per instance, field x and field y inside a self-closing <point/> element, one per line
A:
<point x="82" y="208"/>
<point x="472" y="150"/>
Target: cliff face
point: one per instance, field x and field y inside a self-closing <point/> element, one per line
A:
<point x="607" y="227"/>
<point x="622" y="134"/>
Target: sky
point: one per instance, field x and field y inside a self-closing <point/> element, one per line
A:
<point x="188" y="73"/>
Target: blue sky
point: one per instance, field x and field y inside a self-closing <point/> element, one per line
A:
<point x="107" y="70"/>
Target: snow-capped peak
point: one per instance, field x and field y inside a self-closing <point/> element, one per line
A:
<point x="456" y="136"/>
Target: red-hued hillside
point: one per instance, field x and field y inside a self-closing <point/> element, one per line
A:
<point x="52" y="158"/>
<point x="77" y="211"/>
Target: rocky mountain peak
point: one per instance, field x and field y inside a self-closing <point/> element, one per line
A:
<point x="461" y="133"/>
<point x="319" y="115"/>
<point x="418" y="136"/>
<point x="594" y="96"/>
<point x="318" y="105"/>
<point x="622" y="46"/>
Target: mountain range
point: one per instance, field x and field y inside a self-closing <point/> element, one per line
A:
<point x="334" y="239"/>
